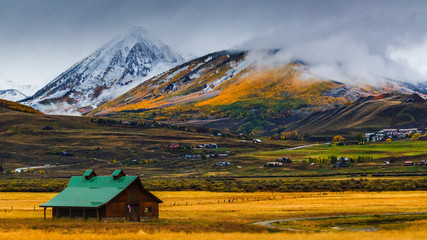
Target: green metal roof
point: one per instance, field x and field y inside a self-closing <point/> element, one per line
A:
<point x="94" y="192"/>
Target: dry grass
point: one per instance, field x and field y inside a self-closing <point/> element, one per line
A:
<point x="415" y="232"/>
<point x="207" y="215"/>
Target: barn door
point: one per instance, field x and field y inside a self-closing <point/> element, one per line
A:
<point x="134" y="212"/>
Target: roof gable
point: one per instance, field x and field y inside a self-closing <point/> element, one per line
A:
<point x="118" y="174"/>
<point x="89" y="174"/>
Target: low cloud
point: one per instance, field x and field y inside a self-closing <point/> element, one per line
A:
<point x="345" y="58"/>
<point x="356" y="44"/>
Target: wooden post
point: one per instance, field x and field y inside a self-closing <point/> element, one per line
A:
<point x="97" y="214"/>
<point x="84" y="213"/>
<point x="69" y="212"/>
<point x="44" y="213"/>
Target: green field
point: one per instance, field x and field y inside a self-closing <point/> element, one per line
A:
<point x="376" y="150"/>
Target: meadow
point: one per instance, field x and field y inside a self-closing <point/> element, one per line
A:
<point x="376" y="150"/>
<point x="213" y="215"/>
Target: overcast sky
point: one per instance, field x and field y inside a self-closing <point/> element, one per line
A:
<point x="341" y="39"/>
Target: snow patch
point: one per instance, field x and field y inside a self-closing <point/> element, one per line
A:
<point x="208" y="59"/>
<point x="236" y="68"/>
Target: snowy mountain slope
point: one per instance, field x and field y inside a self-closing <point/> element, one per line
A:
<point x="225" y="84"/>
<point x="196" y="79"/>
<point x="110" y="71"/>
<point x="11" y="95"/>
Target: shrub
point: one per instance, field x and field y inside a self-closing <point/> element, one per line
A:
<point x="338" y="138"/>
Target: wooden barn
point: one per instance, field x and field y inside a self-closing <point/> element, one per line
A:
<point x="104" y="197"/>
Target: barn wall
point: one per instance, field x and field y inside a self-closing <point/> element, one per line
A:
<point x="144" y="206"/>
<point x="134" y="196"/>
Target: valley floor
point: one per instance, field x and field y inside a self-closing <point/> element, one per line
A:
<point x="212" y="215"/>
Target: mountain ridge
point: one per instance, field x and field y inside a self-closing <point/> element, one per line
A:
<point x="106" y="73"/>
<point x="225" y="84"/>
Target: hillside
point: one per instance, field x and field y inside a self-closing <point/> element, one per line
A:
<point x="224" y="85"/>
<point x="5" y="104"/>
<point x="69" y="145"/>
<point x="62" y="146"/>
<point x="366" y="114"/>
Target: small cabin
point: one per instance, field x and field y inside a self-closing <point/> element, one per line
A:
<point x="408" y="163"/>
<point x="104" y="197"/>
<point x="274" y="164"/>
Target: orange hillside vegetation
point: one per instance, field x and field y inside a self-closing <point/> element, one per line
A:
<point x="276" y="83"/>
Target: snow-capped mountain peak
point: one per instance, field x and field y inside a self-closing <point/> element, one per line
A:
<point x="116" y="67"/>
<point x="11" y="95"/>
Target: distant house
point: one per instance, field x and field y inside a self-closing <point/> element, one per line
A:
<point x="115" y="196"/>
<point x="223" y="164"/>
<point x="274" y="164"/>
<point x="193" y="157"/>
<point x="390" y="133"/>
<point x="408" y="163"/>
<point x="342" y="162"/>
<point x="257" y="141"/>
<point x="422" y="162"/>
<point x="284" y="160"/>
<point x="222" y="154"/>
<point x="208" y="145"/>
<point x="174" y="145"/>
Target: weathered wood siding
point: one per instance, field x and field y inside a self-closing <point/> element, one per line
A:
<point x="133" y="195"/>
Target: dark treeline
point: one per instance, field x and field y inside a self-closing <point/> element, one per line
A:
<point x="216" y="185"/>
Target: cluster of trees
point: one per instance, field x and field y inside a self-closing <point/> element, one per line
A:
<point x="282" y="185"/>
<point x="415" y="136"/>
<point x="335" y="159"/>
<point x="261" y="109"/>
<point x="134" y="161"/>
<point x="257" y="113"/>
<point x="33" y="185"/>
<point x="294" y="135"/>
<point x="338" y="138"/>
<point x="224" y="185"/>
<point x="17" y="107"/>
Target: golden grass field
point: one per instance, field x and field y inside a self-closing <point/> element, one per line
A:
<point x="209" y="215"/>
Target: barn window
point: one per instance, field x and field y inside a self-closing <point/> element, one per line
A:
<point x="148" y="210"/>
